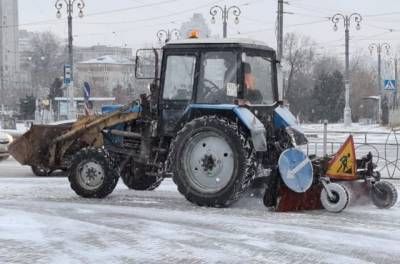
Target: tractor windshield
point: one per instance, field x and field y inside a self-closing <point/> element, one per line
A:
<point x="218" y="77"/>
<point x="258" y="81"/>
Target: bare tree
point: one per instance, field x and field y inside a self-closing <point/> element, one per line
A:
<point x="363" y="84"/>
<point x="298" y="55"/>
<point x="328" y="64"/>
<point x="46" y="61"/>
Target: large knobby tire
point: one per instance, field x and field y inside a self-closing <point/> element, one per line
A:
<point x="340" y="200"/>
<point x="211" y="161"/>
<point x="134" y="177"/>
<point x="92" y="174"/>
<point x="41" y="171"/>
<point x="383" y="194"/>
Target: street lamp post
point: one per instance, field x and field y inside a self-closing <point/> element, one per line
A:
<point x="346" y="23"/>
<point x="379" y="47"/>
<point x="69" y="5"/>
<point x="393" y="62"/>
<point x="167" y="35"/>
<point x="225" y="11"/>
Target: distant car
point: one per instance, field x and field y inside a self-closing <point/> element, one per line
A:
<point x="5" y="140"/>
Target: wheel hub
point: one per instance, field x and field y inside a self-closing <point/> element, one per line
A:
<point x="91" y="175"/>
<point x="208" y="161"/>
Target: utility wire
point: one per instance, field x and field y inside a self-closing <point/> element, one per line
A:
<point x="158" y="17"/>
<point x="162" y="16"/>
<point x="132" y="8"/>
<point x="291" y="25"/>
<point x="383" y="14"/>
<point x="51" y="21"/>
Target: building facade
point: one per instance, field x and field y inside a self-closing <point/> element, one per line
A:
<point x="9" y="50"/>
<point x="104" y="74"/>
<point x="110" y="76"/>
<point x="92" y="52"/>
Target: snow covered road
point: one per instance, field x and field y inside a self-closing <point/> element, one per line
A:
<point x="43" y="221"/>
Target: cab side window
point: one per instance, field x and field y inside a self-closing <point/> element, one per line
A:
<point x="258" y="82"/>
<point x="179" y="77"/>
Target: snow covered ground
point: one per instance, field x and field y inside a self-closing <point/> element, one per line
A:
<point x="43" y="221"/>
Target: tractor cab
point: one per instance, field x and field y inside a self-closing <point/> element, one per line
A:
<point x="210" y="73"/>
<point x="219" y="72"/>
<point x="199" y="72"/>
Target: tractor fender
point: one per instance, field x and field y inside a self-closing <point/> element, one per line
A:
<point x="245" y="116"/>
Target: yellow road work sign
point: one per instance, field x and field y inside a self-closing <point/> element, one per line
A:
<point x="344" y="165"/>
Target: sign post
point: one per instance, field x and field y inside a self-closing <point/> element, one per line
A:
<point x="70" y="90"/>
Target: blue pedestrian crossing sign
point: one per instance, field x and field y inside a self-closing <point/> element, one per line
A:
<point x="389" y="85"/>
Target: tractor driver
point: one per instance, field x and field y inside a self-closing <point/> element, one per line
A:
<point x="252" y="94"/>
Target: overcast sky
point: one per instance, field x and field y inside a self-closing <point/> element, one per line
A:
<point x="135" y="22"/>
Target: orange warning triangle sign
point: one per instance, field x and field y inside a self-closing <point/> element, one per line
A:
<point x="344" y="165"/>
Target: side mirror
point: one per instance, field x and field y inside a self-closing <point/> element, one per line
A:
<point x="147" y="64"/>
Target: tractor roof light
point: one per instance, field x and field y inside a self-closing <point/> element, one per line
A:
<point x="194" y="34"/>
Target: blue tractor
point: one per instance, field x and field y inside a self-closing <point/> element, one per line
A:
<point x="213" y="122"/>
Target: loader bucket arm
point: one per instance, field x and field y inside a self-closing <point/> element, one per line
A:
<point x="89" y="130"/>
<point x="96" y="125"/>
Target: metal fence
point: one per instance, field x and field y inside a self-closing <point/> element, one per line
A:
<point x="384" y="146"/>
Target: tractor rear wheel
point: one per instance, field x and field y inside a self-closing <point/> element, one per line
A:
<point x="134" y="177"/>
<point x="211" y="161"/>
<point x="92" y="174"/>
<point x="340" y="198"/>
<point x="383" y="194"/>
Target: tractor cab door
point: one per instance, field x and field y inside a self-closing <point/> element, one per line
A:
<point x="178" y="79"/>
<point x="218" y="77"/>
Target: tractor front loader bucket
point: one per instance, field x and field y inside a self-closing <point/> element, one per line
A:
<point x="32" y="148"/>
<point x="46" y="145"/>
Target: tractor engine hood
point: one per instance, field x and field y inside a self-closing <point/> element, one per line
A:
<point x="284" y="119"/>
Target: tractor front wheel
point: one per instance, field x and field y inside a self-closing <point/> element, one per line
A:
<point x="383" y="194"/>
<point x="91" y="174"/>
<point x="339" y="200"/>
<point x="211" y="161"/>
